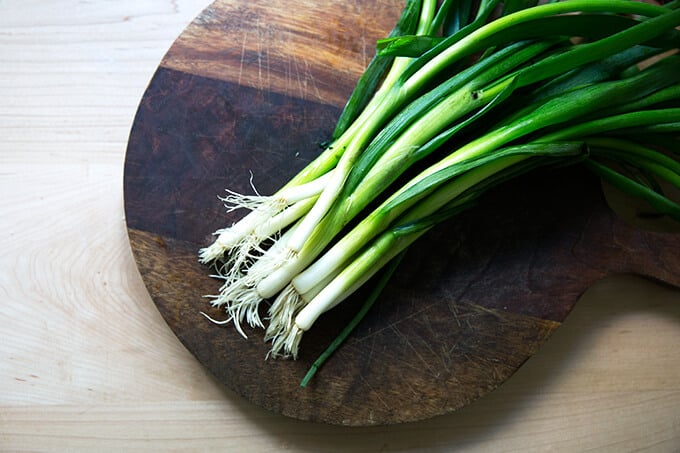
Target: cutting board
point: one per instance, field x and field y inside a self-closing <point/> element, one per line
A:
<point x="246" y="95"/>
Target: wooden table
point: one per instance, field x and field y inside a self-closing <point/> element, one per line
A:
<point x="87" y="361"/>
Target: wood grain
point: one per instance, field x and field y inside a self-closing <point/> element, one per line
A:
<point x="307" y="50"/>
<point x="472" y="302"/>
<point x="88" y="364"/>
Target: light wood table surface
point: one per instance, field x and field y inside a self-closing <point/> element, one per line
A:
<point x="88" y="364"/>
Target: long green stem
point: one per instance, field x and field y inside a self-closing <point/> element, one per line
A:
<point x="487" y="101"/>
<point x="395" y="240"/>
<point x="662" y="204"/>
<point x="548" y="67"/>
<point x="455" y="49"/>
<point x="361" y="132"/>
<point x="624" y="121"/>
<point x="358" y="317"/>
<point x="630" y="150"/>
<point x="404" y="146"/>
<point x="562" y="109"/>
<point x="371" y="78"/>
<point x="384" y="215"/>
<point x="555" y="111"/>
<point x="455" y="194"/>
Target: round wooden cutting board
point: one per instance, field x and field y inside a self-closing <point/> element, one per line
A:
<point x="247" y="92"/>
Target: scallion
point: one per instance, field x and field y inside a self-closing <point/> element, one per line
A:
<point x="457" y="100"/>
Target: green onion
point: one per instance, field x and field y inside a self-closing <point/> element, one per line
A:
<point x="458" y="99"/>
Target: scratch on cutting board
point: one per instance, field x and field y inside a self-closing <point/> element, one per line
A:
<point x="414" y="349"/>
<point x="263" y="68"/>
<point x="404" y="319"/>
<point x="262" y="38"/>
<point x="243" y="57"/>
<point x="263" y="44"/>
<point x="302" y="78"/>
<point x="374" y="392"/>
<point x="298" y="72"/>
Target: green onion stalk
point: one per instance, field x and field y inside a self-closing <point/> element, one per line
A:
<point x="456" y="101"/>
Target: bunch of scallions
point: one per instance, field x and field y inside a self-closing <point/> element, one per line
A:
<point x="460" y="97"/>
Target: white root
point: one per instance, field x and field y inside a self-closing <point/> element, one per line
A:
<point x="282" y="313"/>
<point x="243" y="261"/>
<point x="240" y="232"/>
<point x="288" y="344"/>
<point x="239" y="295"/>
<point x="240" y="306"/>
<point x="268" y="216"/>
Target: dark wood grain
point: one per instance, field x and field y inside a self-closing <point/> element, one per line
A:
<point x="468" y="306"/>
